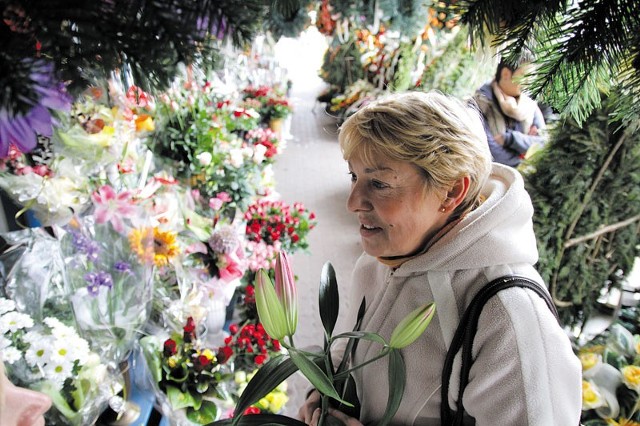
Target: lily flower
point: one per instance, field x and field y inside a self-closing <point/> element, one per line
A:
<point x="286" y="291"/>
<point x="412" y="326"/>
<point x="270" y="311"/>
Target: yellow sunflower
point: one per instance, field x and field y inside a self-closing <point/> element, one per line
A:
<point x="153" y="246"/>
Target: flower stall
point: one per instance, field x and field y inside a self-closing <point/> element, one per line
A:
<point x="155" y="211"/>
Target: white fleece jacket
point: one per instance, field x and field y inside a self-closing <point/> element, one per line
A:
<point x="524" y="371"/>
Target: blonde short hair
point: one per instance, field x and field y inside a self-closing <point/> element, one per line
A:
<point x="439" y="134"/>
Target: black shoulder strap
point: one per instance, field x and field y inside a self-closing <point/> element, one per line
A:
<point x="463" y="339"/>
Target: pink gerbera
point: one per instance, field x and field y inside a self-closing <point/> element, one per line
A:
<point x="113" y="207"/>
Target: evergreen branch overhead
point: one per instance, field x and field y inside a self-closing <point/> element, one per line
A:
<point x="85" y="40"/>
<point x="581" y="47"/>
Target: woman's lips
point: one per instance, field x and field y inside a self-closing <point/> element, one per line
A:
<point x="369" y="230"/>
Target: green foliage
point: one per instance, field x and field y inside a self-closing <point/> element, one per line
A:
<point x="405" y="64"/>
<point x="457" y="70"/>
<point x="288" y="23"/>
<point x="406" y="16"/>
<point x="582" y="48"/>
<point x="341" y="64"/>
<point x="559" y="182"/>
<point x="143" y="40"/>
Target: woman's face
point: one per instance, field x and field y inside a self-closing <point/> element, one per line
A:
<point x="22" y="407"/>
<point x="397" y="216"/>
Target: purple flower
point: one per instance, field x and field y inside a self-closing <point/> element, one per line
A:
<point x="85" y="245"/>
<point x="21" y="127"/>
<point x="123" y="267"/>
<point x="97" y="279"/>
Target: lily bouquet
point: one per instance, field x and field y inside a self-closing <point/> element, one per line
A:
<point x="278" y="312"/>
<point x="50" y="357"/>
<point x="109" y="258"/>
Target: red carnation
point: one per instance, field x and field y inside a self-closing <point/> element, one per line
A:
<point x="170" y="347"/>
<point x="260" y="359"/>
<point x="233" y="328"/>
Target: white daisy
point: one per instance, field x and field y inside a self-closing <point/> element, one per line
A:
<point x="39" y="353"/>
<point x="6" y="305"/>
<point x="58" y="372"/>
<point x="4" y="342"/>
<point x="14" y="321"/>
<point x="11" y="355"/>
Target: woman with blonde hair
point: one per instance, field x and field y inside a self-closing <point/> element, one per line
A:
<point x="438" y="221"/>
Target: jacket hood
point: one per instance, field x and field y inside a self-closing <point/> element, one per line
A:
<point x="499" y="231"/>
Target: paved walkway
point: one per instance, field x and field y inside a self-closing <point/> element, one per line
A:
<point x="311" y="170"/>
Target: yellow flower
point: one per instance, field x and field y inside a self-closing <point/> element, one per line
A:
<point x="278" y="399"/>
<point x="172" y="362"/>
<point x="622" y="422"/>
<point x="240" y="377"/>
<point x="589" y="360"/>
<point x="153" y="245"/>
<point x="631" y="377"/>
<point x="209" y="354"/>
<point x="591" y="397"/>
<point x="141" y="242"/>
<point x="145" y="122"/>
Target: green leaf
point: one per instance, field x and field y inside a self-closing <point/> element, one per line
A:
<point x="316" y="376"/>
<point x="151" y="349"/>
<point x="267" y="378"/>
<point x="260" y="420"/>
<point x="397" y="381"/>
<point x="329" y="298"/>
<point x="351" y="346"/>
<point x="364" y="335"/>
<point x="206" y="414"/>
<point x="179" y="399"/>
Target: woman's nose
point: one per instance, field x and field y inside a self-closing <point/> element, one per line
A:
<point x="357" y="200"/>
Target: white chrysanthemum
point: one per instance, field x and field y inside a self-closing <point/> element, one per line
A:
<point x="39" y="353"/>
<point x="4" y="342"/>
<point x="78" y="349"/>
<point x="58" y="372"/>
<point x="14" y="321"/>
<point x="11" y="354"/>
<point x="258" y="153"/>
<point x="6" y="305"/>
<point x="59" y="330"/>
<point x="32" y="336"/>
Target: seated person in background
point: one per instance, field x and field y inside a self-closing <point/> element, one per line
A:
<point x="20" y="406"/>
<point x="513" y="121"/>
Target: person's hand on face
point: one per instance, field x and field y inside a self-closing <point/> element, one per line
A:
<point x="22" y="407"/>
<point x="499" y="138"/>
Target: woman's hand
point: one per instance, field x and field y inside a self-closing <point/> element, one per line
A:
<point x="305" y="413"/>
<point x="338" y="415"/>
<point x="310" y="412"/>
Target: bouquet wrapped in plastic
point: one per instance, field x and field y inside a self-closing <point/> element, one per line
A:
<point x="188" y="378"/>
<point x="50" y="357"/>
<point x="109" y="262"/>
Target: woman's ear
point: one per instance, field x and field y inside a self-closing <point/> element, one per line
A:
<point x="456" y="193"/>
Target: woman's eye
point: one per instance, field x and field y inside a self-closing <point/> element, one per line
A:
<point x="353" y="176"/>
<point x="378" y="185"/>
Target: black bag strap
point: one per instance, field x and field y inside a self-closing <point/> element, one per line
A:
<point x="465" y="333"/>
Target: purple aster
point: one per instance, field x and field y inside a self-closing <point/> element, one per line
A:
<point x="85" y="245"/>
<point x="123" y="267"/>
<point x="96" y="279"/>
<point x="92" y="284"/>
